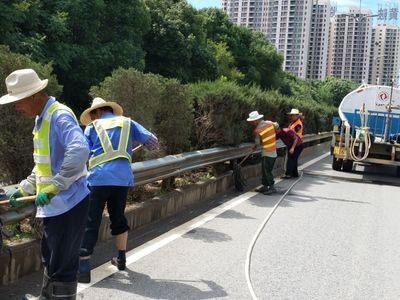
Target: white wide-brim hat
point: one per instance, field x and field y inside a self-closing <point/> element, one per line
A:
<point x="21" y="84"/>
<point x="253" y="116"/>
<point x="294" y="111"/>
<point x="97" y="103"/>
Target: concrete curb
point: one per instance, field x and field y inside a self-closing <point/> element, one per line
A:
<point x="25" y="258"/>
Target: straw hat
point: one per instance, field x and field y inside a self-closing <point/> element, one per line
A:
<point x="97" y="103"/>
<point x="22" y="84"/>
<point x="294" y="111"/>
<point x="253" y="116"/>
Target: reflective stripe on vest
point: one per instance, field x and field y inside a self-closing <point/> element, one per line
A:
<point x="41" y="147"/>
<point x="109" y="153"/>
<point x="296" y="123"/>
<point x="267" y="137"/>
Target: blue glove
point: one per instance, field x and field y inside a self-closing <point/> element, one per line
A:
<point x="13" y="195"/>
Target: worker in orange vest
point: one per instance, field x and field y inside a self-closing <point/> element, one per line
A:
<point x="264" y="132"/>
<point x="296" y="123"/>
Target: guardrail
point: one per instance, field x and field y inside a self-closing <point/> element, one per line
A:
<point x="172" y="165"/>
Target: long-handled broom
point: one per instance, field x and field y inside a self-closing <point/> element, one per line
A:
<point x="239" y="180"/>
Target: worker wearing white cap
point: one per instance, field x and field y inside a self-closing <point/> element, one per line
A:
<point x="264" y="133"/>
<point x="295" y="121"/>
<point x="110" y="137"/>
<point x="58" y="180"/>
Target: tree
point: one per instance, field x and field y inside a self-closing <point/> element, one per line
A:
<point x="85" y="39"/>
<point x="253" y="54"/>
<point x="225" y="62"/>
<point x="176" y="44"/>
<point x="337" y="89"/>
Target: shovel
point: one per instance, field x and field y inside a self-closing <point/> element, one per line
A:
<point x="26" y="199"/>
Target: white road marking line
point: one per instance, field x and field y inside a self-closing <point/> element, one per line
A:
<point x="134" y="255"/>
<point x="106" y="270"/>
<point x="261" y="228"/>
<point x="313" y="161"/>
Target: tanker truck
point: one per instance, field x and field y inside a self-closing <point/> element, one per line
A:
<point x="368" y="128"/>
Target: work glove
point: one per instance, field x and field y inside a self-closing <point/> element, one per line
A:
<point x="13" y="195"/>
<point x="44" y="197"/>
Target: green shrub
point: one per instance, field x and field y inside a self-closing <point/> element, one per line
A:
<point x="161" y="105"/>
<point x="138" y="94"/>
<point x="220" y="114"/>
<point x="221" y="110"/>
<point x="16" y="131"/>
<point x="174" y="117"/>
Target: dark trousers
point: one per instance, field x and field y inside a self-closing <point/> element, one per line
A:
<point x="62" y="237"/>
<point x="291" y="166"/>
<point x="115" y="197"/>
<point x="267" y="165"/>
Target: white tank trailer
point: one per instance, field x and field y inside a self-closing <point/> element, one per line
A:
<point x="368" y="128"/>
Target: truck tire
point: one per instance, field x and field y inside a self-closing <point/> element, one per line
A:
<point x="398" y="171"/>
<point x="337" y="164"/>
<point x="348" y="165"/>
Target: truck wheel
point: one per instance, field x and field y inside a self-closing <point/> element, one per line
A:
<point x="348" y="165"/>
<point x="337" y="164"/>
<point x="398" y="171"/>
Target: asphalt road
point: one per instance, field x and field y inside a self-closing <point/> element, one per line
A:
<point x="334" y="236"/>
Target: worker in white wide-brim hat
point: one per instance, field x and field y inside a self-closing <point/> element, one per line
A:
<point x="111" y="137"/>
<point x="294" y="146"/>
<point x="58" y="180"/>
<point x="295" y="121"/>
<point x="264" y="133"/>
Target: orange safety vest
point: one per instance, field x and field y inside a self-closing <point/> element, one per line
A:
<point x="267" y="136"/>
<point x="296" y="123"/>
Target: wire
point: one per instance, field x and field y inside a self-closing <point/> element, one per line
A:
<point x="257" y="235"/>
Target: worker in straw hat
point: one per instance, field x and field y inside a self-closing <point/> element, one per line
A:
<point x="294" y="146"/>
<point x="265" y="137"/>
<point x="295" y="121"/>
<point x="58" y="180"/>
<point x="110" y="137"/>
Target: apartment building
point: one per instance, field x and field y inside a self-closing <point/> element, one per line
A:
<point x="385" y="54"/>
<point x="350" y="45"/>
<point x="248" y="13"/>
<point x="319" y="40"/>
<point x="288" y="28"/>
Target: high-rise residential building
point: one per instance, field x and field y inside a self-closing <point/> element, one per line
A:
<point x="319" y="40"/>
<point x="288" y="28"/>
<point x="385" y="55"/>
<point x="246" y="13"/>
<point x="350" y="45"/>
<point x="290" y="25"/>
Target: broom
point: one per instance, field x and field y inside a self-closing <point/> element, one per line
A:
<point x="239" y="180"/>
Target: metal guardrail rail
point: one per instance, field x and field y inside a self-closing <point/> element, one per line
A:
<point x="172" y="165"/>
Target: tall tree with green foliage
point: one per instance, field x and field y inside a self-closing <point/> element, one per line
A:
<point x="253" y="54"/>
<point x="225" y="62"/>
<point x="336" y="89"/>
<point x="85" y="39"/>
<point x="176" y="44"/>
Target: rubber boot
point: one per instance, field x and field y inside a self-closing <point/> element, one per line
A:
<point x="44" y="294"/>
<point x="63" y="290"/>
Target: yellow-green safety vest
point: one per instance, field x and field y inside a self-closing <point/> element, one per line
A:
<point x="109" y="153"/>
<point x="41" y="147"/>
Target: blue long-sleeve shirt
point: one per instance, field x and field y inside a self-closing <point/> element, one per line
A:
<point x="68" y="153"/>
<point x="116" y="172"/>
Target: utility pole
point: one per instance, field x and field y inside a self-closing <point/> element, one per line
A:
<point x="389" y="110"/>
